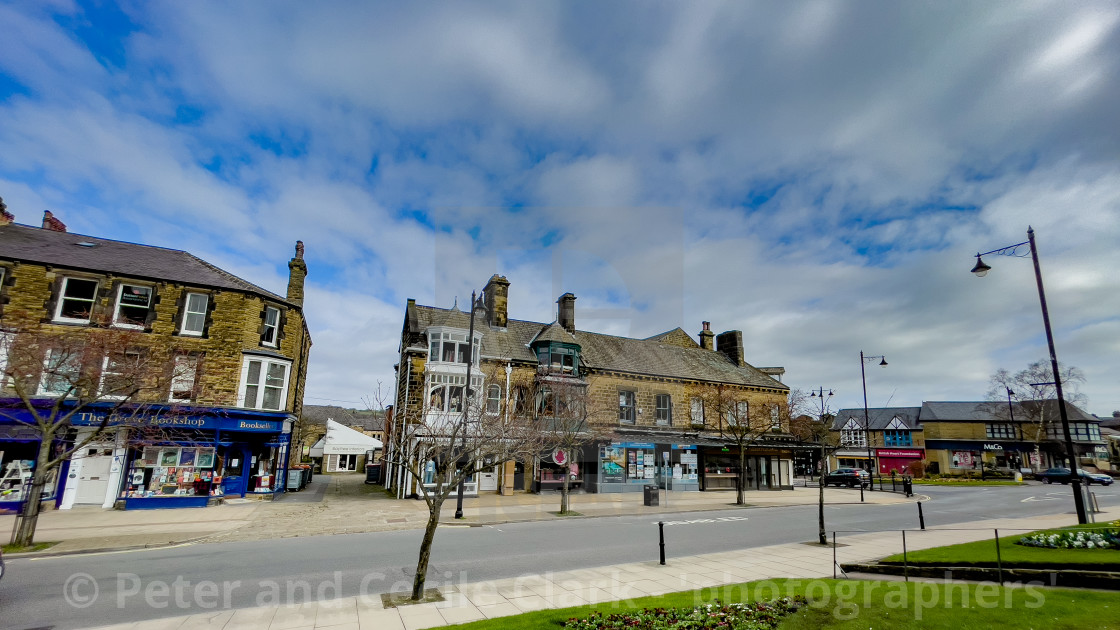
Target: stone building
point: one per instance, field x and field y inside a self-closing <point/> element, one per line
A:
<point x="666" y="403"/>
<point x="230" y="359"/>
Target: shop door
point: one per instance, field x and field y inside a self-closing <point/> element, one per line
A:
<point x="488" y="480"/>
<point x="93" y="481"/>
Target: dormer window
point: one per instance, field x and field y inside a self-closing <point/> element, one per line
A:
<point x="559" y="357"/>
<point x="450" y="346"/>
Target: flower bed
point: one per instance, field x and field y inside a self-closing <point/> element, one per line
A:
<point x="753" y="616"/>
<point x="1096" y="539"/>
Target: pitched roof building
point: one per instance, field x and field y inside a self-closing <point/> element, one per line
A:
<point x="658" y="395"/>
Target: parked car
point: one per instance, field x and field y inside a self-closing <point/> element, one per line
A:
<point x="850" y="477"/>
<point x="1064" y="476"/>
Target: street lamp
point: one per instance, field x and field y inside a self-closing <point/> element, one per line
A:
<point x="819" y="393"/>
<point x="466" y="404"/>
<point x="981" y="269"/>
<point x="866" y="420"/>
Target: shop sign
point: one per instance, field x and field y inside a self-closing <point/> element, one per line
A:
<point x="683" y="447"/>
<point x="559" y="457"/>
<point x="992" y="446"/>
<point x="905" y="453"/>
<point x="641" y="445"/>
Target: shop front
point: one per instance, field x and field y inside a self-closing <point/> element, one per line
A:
<point x="629" y="466"/>
<point x="850" y="458"/>
<point x="19" y="449"/>
<point x="766" y="468"/>
<point x="194" y="457"/>
<point x="898" y="460"/>
<point x="967" y="456"/>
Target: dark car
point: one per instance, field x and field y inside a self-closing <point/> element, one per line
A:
<point x="1063" y="475"/>
<point x="850" y="477"/>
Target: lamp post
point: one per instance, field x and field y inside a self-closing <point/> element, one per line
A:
<point x="866" y="417"/>
<point x="819" y="393"/>
<point x="982" y="270"/>
<point x="466" y="404"/>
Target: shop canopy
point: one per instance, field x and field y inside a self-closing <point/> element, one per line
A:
<point x="342" y="440"/>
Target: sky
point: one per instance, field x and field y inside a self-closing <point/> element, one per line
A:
<point x="819" y="175"/>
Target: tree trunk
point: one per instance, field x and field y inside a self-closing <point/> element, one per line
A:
<point x="564" y="489"/>
<point x="741" y="478"/>
<point x="25" y="535"/>
<point x="820" y="512"/>
<point x="426" y="548"/>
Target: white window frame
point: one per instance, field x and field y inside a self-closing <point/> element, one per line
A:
<point x="271" y="336"/>
<point x="853" y="435"/>
<point x="43" y="391"/>
<point x="696" y="410"/>
<point x="739" y="414"/>
<point x="184" y="377"/>
<point x="62" y="299"/>
<point x="493" y="398"/>
<point x="775" y="419"/>
<point x="258" y="400"/>
<point x="659" y="411"/>
<point x="106" y="364"/>
<point x="627" y="406"/>
<point x="187" y="312"/>
<point x="117" y="306"/>
<point x="6" y="340"/>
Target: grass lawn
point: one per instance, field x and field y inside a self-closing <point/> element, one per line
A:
<point x="34" y="547"/>
<point x="983" y="554"/>
<point x="856" y="604"/>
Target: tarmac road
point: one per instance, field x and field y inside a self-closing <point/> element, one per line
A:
<point x="98" y="589"/>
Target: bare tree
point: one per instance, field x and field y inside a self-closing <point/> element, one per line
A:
<point x="741" y="424"/>
<point x="57" y="376"/>
<point x="568" y="420"/>
<point x="819" y="434"/>
<point x="1034" y="395"/>
<point x="447" y="440"/>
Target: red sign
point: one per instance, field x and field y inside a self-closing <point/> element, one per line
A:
<point x="894" y="452"/>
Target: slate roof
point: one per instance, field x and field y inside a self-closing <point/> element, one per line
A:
<point x="80" y="252"/>
<point x="985" y="411"/>
<point x="598" y="351"/>
<point x="880" y="417"/>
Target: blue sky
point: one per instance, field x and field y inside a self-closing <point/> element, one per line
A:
<point x="816" y="174"/>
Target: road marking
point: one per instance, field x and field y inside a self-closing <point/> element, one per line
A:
<point x="105" y="553"/>
<point x="698" y="521"/>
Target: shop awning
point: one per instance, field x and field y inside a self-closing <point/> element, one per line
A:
<point x="342" y="440"/>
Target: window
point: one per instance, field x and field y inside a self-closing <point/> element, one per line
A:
<point x="5" y="344"/>
<point x="663" y="410"/>
<point x="264" y="383"/>
<point x="737" y="414"/>
<point x="559" y="357"/>
<point x="271" y="334"/>
<point x="697" y="410"/>
<point x="75" y="302"/>
<point x="1081" y="431"/>
<point x="1000" y="431"/>
<point x="493" y="398"/>
<point x="133" y="304"/>
<point x="853" y="434"/>
<point x="626" y="410"/>
<point x="450" y="347"/>
<point x="546" y="402"/>
<point x="775" y="419"/>
<point x="61" y="370"/>
<point x="194" y="314"/>
<point x="120" y="375"/>
<point x="183" y="377"/>
<point x="898" y="437"/>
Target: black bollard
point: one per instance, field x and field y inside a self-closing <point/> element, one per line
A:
<point x="661" y="533"/>
<point x="921" y="517"/>
<point x="861" y="493"/>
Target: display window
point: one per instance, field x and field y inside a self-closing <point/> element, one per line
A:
<point x="183" y="471"/>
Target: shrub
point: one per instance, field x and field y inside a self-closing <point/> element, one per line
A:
<point x="750" y="616"/>
<point x="1096" y="539"/>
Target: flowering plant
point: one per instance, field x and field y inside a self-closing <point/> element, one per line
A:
<point x="1094" y="539"/>
<point x="750" y="616"/>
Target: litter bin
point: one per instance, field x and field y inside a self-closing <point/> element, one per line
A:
<point x="652" y="495"/>
<point x="373" y="473"/>
<point x="295" y="479"/>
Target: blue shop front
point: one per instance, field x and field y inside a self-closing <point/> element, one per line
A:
<point x="19" y="448"/>
<point x="194" y="457"/>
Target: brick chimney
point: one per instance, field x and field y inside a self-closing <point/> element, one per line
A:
<point x="706" y="336"/>
<point x="51" y="223"/>
<point x="6" y="217"/>
<point x="297" y="273"/>
<point x="730" y="343"/>
<point x="496" y="294"/>
<point x="566" y="312"/>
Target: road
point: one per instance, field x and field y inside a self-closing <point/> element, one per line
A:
<point x="97" y="589"/>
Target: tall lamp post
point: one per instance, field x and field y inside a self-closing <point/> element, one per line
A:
<point x="982" y="270"/>
<point x="819" y="393"/>
<point x="466" y="404"/>
<point x="866" y="417"/>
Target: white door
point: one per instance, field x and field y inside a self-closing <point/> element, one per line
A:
<point x="488" y="480"/>
<point x="93" y="480"/>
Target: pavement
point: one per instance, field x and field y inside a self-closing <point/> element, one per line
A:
<point x="345" y="504"/>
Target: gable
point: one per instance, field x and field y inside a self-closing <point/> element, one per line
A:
<point x="896" y="423"/>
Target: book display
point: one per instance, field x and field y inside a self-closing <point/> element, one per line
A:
<point x="173" y="471"/>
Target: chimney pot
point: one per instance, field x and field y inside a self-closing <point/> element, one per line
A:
<point x="706" y="336"/>
<point x="52" y="223"/>
<point x="297" y="274"/>
<point x="566" y="314"/>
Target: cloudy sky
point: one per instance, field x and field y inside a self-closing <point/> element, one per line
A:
<point x="818" y="175"/>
